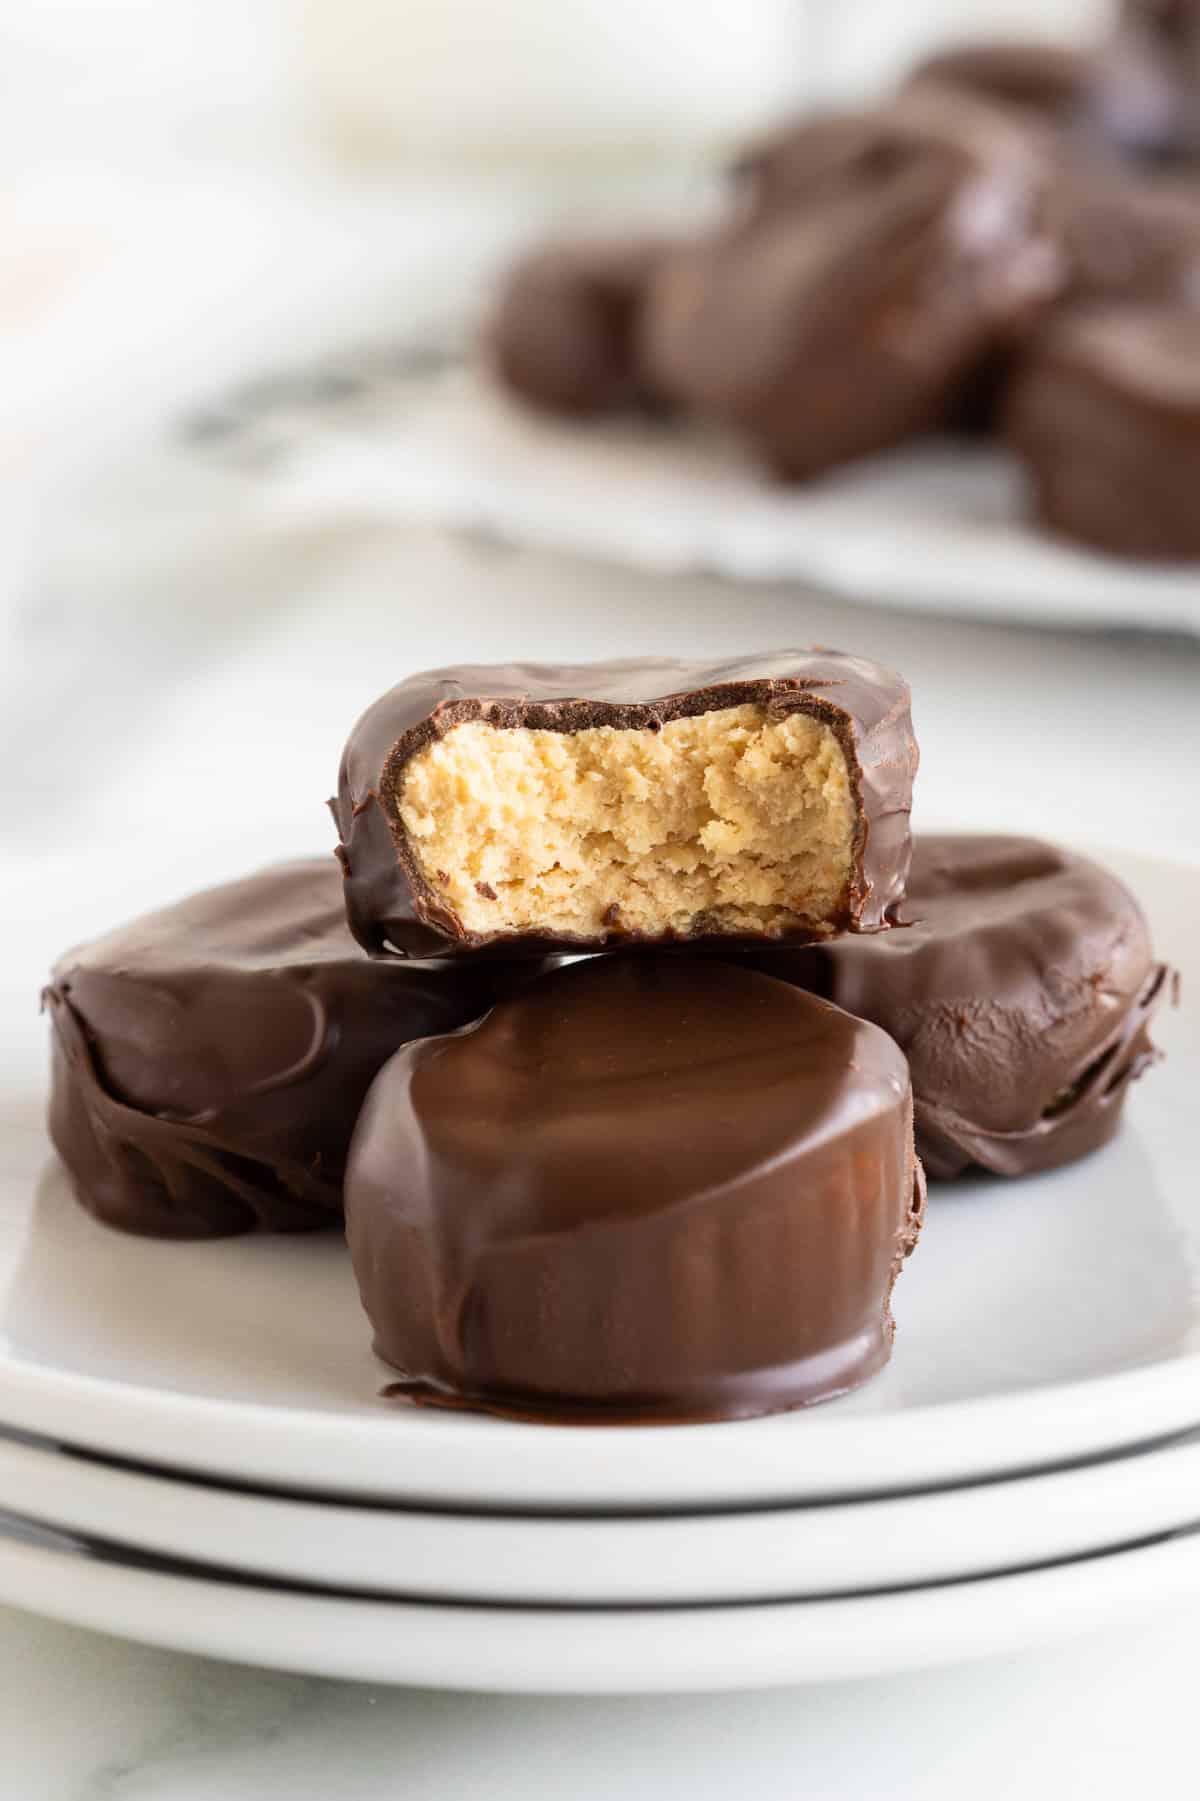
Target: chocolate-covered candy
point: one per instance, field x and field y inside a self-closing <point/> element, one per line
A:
<point x="642" y="801"/>
<point x="209" y="1060"/>
<point x="843" y="153"/>
<point x="1167" y="33"/>
<point x="1173" y="23"/>
<point x="564" y="333"/>
<point x="1120" y="93"/>
<point x="975" y="405"/>
<point x="883" y="257"/>
<point x="1021" y="994"/>
<point x="1126" y="236"/>
<point x="648" y="1188"/>
<point x="1105" y="412"/>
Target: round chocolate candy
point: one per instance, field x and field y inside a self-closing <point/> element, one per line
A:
<point x="659" y="1188"/>
<point x="209" y="1060"/>
<point x="1126" y="236"/>
<point x="1104" y="411"/>
<point x="1022" y="995"/>
<point x="1122" y="93"/>
<point x="881" y="258"/>
<point x="563" y="336"/>
<point x="1166" y="34"/>
<point x="828" y="156"/>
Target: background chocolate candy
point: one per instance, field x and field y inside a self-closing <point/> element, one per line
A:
<point x="1174" y="23"/>
<point x="882" y="272"/>
<point x="564" y="332"/>
<point x="884" y="256"/>
<point x="1021" y="995"/>
<point x="1126" y="236"/>
<point x="1104" y="409"/>
<point x="647" y="1188"/>
<point x="209" y="1060"/>
<point x="1167" y="33"/>
<point x="1120" y="93"/>
<point x="651" y="801"/>
<point x="826" y="156"/>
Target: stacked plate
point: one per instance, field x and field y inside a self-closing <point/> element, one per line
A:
<point x="196" y="1450"/>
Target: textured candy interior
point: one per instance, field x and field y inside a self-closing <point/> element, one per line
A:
<point x="738" y="819"/>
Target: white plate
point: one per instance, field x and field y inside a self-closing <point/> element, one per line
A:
<point x="940" y="525"/>
<point x="1039" y="1321"/>
<point x="601" y="1651"/>
<point x="770" y="1554"/>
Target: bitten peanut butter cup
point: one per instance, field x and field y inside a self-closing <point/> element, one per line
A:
<point x="602" y="804"/>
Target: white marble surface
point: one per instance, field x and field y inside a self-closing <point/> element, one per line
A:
<point x="88" y="1718"/>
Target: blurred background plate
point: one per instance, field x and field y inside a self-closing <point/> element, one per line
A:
<point x="940" y="525"/>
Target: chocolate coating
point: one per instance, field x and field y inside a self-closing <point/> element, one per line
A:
<point x="1173" y="23"/>
<point x="976" y="403"/>
<point x="648" y="1188"/>
<point x="1167" y="32"/>
<point x="846" y="153"/>
<point x="884" y="255"/>
<point x="392" y="909"/>
<point x="564" y="333"/>
<point x="1022" y="996"/>
<point x="209" y="1060"/>
<point x="1120" y="93"/>
<point x="1105" y="412"/>
<point x="1126" y="236"/>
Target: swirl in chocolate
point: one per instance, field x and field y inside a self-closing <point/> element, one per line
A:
<point x="209" y="1060"/>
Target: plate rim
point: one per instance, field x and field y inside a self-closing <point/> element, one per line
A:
<point x="598" y="1651"/>
<point x="629" y="1561"/>
<point x="467" y="489"/>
